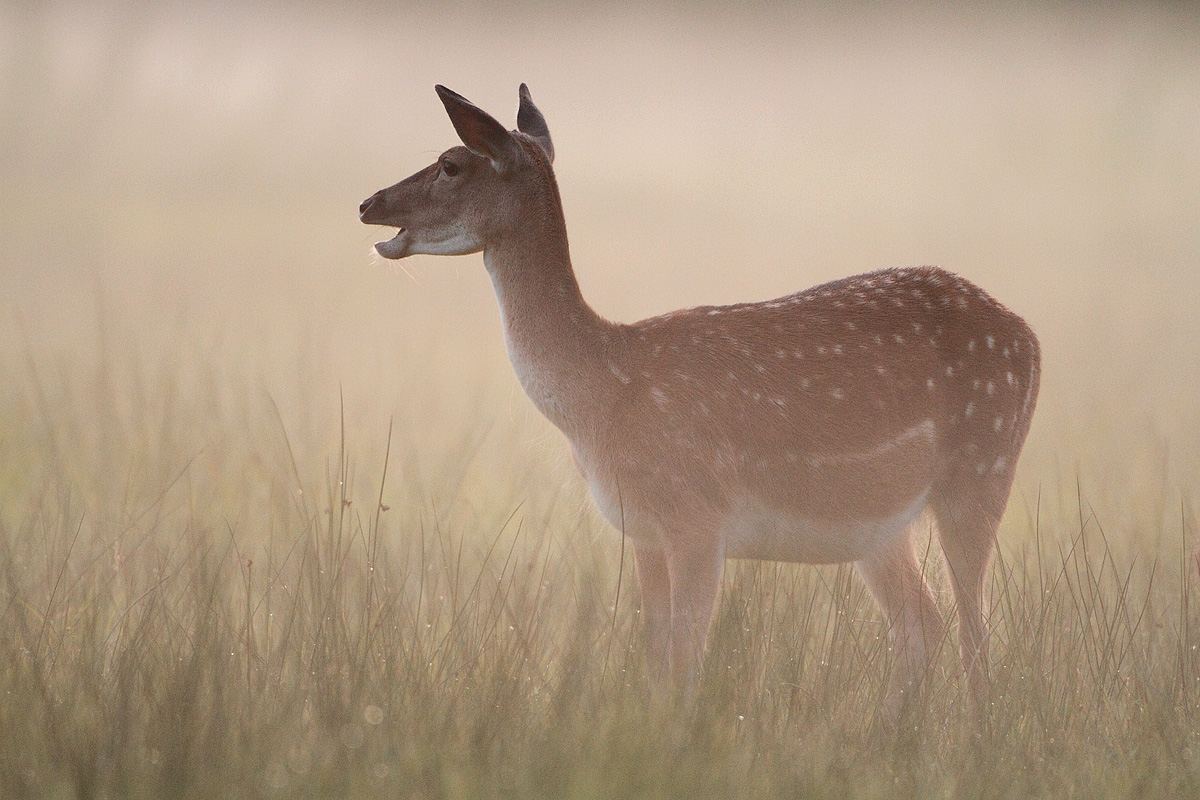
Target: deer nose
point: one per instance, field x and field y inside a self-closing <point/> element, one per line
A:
<point x="366" y="205"/>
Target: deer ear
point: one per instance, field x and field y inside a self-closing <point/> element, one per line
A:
<point x="480" y="132"/>
<point x="531" y="122"/>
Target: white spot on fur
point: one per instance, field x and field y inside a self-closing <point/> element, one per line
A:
<point x="998" y="424"/>
<point x="991" y="340"/>
<point x="837" y="393"/>
<point x="659" y="396"/>
<point x="621" y="376"/>
<point x="970" y="410"/>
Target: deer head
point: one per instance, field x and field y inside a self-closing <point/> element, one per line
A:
<point x="473" y="194"/>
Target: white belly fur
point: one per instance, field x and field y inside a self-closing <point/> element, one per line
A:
<point x="756" y="531"/>
<point x="626" y="519"/>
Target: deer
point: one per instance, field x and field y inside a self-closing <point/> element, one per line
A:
<point x="816" y="428"/>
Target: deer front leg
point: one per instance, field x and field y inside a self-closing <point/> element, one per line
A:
<point x="694" y="566"/>
<point x="654" y="584"/>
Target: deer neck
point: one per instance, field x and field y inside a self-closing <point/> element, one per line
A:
<point x="556" y="342"/>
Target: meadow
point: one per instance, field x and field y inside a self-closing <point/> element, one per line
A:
<point x="277" y="521"/>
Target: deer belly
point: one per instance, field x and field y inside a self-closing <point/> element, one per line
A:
<point x="754" y="530"/>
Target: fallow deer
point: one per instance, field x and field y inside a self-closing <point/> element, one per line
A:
<point x="813" y="428"/>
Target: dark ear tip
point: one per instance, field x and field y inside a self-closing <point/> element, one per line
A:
<point x="524" y="90"/>
<point x="449" y="94"/>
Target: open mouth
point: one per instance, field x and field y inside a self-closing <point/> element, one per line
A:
<point x="396" y="247"/>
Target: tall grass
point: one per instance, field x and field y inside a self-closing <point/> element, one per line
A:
<point x="195" y="602"/>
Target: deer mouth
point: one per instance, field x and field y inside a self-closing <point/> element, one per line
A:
<point x="396" y="247"/>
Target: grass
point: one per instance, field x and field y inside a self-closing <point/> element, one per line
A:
<point x="258" y="616"/>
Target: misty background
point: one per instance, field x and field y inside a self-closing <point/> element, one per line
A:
<point x="179" y="185"/>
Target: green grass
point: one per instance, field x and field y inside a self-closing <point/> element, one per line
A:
<point x="252" y="615"/>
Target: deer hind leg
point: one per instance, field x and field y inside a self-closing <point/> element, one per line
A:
<point x="967" y="520"/>
<point x="894" y="578"/>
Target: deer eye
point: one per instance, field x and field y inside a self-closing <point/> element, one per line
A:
<point x="450" y="168"/>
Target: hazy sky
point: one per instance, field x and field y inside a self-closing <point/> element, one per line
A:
<point x="195" y="169"/>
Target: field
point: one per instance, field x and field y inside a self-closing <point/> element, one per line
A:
<point x="277" y="521"/>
